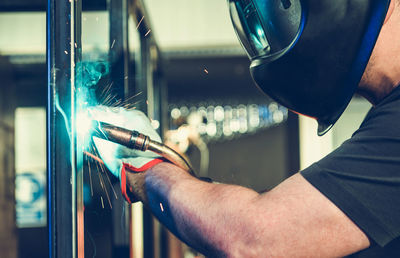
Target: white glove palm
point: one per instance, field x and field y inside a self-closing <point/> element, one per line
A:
<point x="116" y="157"/>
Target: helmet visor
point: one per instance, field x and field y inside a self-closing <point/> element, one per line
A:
<point x="266" y="27"/>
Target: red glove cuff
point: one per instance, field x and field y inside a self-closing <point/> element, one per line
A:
<point x="127" y="194"/>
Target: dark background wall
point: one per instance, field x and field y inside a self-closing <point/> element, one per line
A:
<point x="260" y="160"/>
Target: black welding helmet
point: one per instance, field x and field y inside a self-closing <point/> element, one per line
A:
<point x="309" y="55"/>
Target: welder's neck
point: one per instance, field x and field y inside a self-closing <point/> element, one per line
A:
<point x="377" y="83"/>
<point x="378" y="93"/>
<point x="382" y="73"/>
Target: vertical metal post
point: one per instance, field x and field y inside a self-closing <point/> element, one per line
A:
<point x="148" y="86"/>
<point x="119" y="50"/>
<point x="64" y="179"/>
<point x="76" y="48"/>
<point x="120" y="76"/>
<point x="8" y="232"/>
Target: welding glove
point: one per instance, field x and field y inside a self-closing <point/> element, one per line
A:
<point x="118" y="158"/>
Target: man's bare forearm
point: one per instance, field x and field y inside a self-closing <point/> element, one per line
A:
<point x="211" y="218"/>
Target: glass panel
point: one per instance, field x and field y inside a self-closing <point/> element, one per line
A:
<point x="30" y="167"/>
<point x="20" y="39"/>
<point x="22" y="124"/>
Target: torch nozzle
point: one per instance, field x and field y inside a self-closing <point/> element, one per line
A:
<point x="134" y="140"/>
<point x="129" y="138"/>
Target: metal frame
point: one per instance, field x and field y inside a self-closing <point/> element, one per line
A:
<point x="121" y="76"/>
<point x="7" y="161"/>
<point x="151" y="85"/>
<point x="40" y="5"/>
<point x="65" y="178"/>
<point x="65" y="205"/>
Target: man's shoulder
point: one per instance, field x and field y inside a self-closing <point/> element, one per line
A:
<point x="383" y="119"/>
<point x="392" y="250"/>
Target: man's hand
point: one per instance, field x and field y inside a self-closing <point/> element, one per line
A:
<point x="119" y="159"/>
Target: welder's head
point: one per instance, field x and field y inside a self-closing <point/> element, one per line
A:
<point x="309" y="55"/>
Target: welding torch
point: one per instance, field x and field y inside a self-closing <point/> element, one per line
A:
<point x="134" y="140"/>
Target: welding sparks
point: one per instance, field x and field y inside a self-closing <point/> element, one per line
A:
<point x="92" y="72"/>
<point x="90" y="178"/>
<point x="102" y="202"/>
<point x="112" y="188"/>
<point x="161" y="207"/>
<point x="106" y="91"/>
<point x="109" y="100"/>
<point x="102" y="184"/>
<point x="140" y="22"/>
<point x="93" y="157"/>
<point x="147" y="33"/>
<point x="108" y="196"/>
<point x="66" y="52"/>
<point x="101" y="169"/>
<point x="206" y="71"/>
<point x="112" y="45"/>
<point x="132" y="97"/>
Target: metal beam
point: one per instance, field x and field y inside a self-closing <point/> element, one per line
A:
<point x="63" y="43"/>
<point x="40" y="5"/>
<point x="120" y="76"/>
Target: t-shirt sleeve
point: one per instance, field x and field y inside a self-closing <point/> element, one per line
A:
<point x="362" y="178"/>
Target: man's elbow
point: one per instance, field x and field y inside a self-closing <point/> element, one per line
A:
<point x="251" y="238"/>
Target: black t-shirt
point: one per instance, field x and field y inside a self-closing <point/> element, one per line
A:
<point x="362" y="178"/>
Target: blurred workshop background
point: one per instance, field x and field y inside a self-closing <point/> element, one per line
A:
<point x="177" y="60"/>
